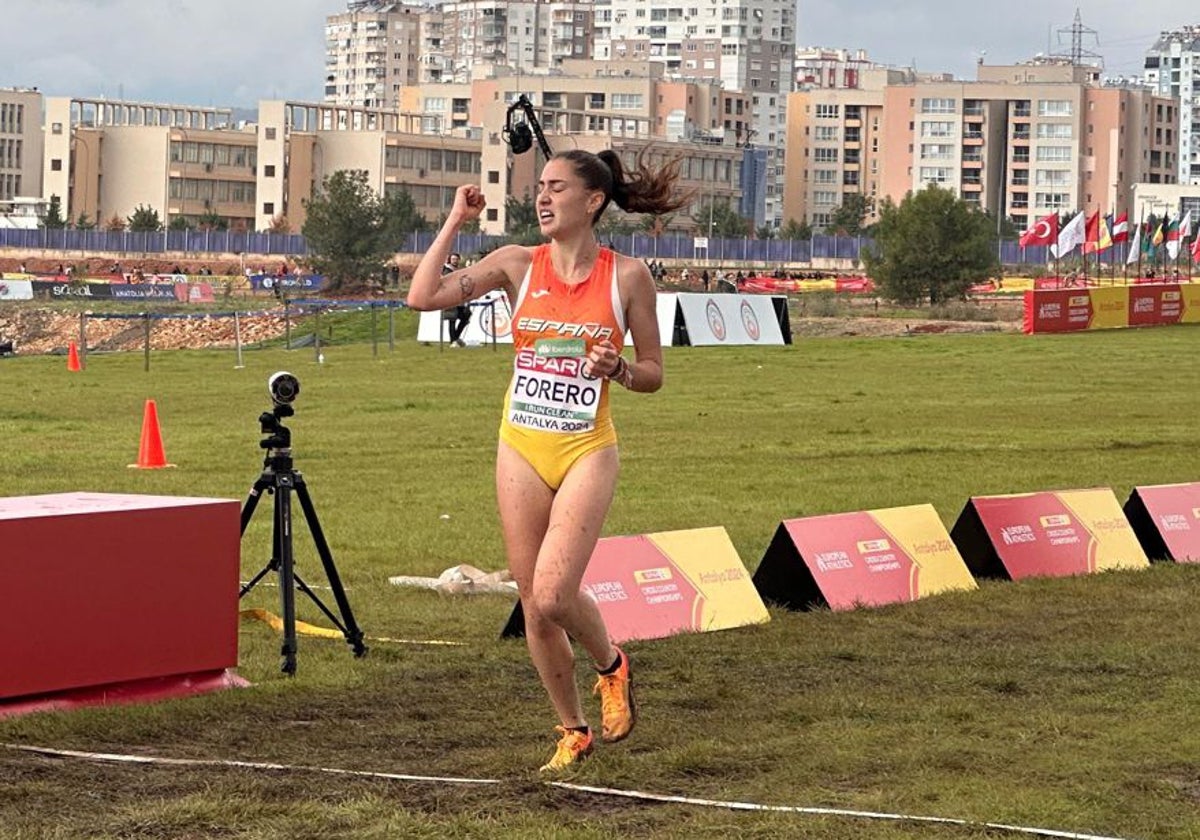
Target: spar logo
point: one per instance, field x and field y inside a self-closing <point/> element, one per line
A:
<point x="868" y="546"/>
<point x="1078" y="300"/>
<point x="716" y="321"/>
<point x="750" y="321"/>
<point x="652" y="575"/>
<point x="1055" y="521"/>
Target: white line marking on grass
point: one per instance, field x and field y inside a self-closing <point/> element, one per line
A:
<point x="835" y="812"/>
<point x="598" y="791"/>
<point x="245" y="765"/>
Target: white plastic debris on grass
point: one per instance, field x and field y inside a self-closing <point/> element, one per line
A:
<point x="462" y="580"/>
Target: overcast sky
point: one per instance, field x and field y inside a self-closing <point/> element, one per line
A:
<point x="235" y="52"/>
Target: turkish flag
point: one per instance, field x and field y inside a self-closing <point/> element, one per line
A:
<point x="1091" y="232"/>
<point x="1044" y="232"/>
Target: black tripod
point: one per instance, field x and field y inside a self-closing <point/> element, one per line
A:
<point x="281" y="479"/>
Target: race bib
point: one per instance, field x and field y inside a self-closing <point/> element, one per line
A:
<point x="551" y="393"/>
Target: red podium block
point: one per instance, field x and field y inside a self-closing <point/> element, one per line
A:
<point x="102" y="588"/>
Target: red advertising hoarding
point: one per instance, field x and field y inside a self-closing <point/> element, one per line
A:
<point x="865" y="558"/>
<point x="657" y="585"/>
<point x="1053" y="534"/>
<point x="1166" y="519"/>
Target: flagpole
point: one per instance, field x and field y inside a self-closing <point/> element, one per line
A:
<point x="1139" y="252"/>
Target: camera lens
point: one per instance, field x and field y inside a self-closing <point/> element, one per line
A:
<point x="284" y="387"/>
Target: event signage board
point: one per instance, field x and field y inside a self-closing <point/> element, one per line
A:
<point x="105" y="588"/>
<point x="1109" y="307"/>
<point x="304" y="282"/>
<point x="865" y="558"/>
<point x="1166" y="519"/>
<point x="65" y="290"/>
<point x="729" y="319"/>
<point x="656" y="585"/>
<point x="16" y="290"/>
<point x="490" y="317"/>
<point x="1053" y="534"/>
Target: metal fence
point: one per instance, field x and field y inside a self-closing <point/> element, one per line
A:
<point x="179" y="241"/>
<point x="644" y="246"/>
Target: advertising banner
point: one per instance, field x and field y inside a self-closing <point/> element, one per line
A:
<point x="1108" y="307"/>
<point x="194" y="292"/>
<point x="63" y="290"/>
<point x="1190" y="295"/>
<point x="728" y="319"/>
<point x="142" y="291"/>
<point x="1068" y="532"/>
<point x="1166" y="519"/>
<point x="1152" y="306"/>
<point x="490" y="316"/>
<point x="658" y="585"/>
<point x="866" y="558"/>
<point x="301" y="282"/>
<point x="16" y="290"/>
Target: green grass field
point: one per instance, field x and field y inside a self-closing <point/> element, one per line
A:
<point x="1065" y="704"/>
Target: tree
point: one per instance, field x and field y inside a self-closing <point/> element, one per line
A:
<point x="522" y="217"/>
<point x="847" y="219"/>
<point x="53" y="217"/>
<point x="279" y="224"/>
<point x="210" y="220"/>
<point x="400" y="217"/>
<point x="615" y="222"/>
<point x="933" y="245"/>
<point x="765" y="232"/>
<point x="718" y="218"/>
<point x="179" y="223"/>
<point x="84" y="222"/>
<point x="344" y="229"/>
<point x="144" y="220"/>
<point x="115" y="223"/>
<point x="795" y="230"/>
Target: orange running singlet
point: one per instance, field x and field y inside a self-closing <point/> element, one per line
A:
<point x="554" y="413"/>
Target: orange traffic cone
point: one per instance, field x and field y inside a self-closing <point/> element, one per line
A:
<point x="150" y="452"/>
<point x="72" y="357"/>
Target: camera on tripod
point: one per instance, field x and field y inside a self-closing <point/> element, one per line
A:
<point x="281" y="479"/>
<point x="283" y="387"/>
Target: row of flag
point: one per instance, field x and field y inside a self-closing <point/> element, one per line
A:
<point x="1097" y="233"/>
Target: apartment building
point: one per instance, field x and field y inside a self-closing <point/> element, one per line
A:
<point x="104" y="158"/>
<point x="525" y="35"/>
<point x="833" y="142"/>
<point x="746" y="44"/>
<point x="625" y="105"/>
<point x="1022" y="140"/>
<point x="1172" y="69"/>
<point x="824" y="67"/>
<point x="300" y="144"/>
<point x="20" y="143"/>
<point x="371" y="51"/>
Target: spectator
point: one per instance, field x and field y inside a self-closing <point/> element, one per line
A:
<point x="457" y="316"/>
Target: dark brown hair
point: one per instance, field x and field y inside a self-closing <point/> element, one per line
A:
<point x="640" y="191"/>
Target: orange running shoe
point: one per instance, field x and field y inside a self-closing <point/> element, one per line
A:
<point x="618" y="712"/>
<point x="573" y="747"/>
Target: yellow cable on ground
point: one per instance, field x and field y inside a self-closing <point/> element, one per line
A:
<point x="305" y="629"/>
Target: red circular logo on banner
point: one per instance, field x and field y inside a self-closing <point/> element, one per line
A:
<point x="750" y="321"/>
<point x="716" y="321"/>
<point x="495" y="322"/>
